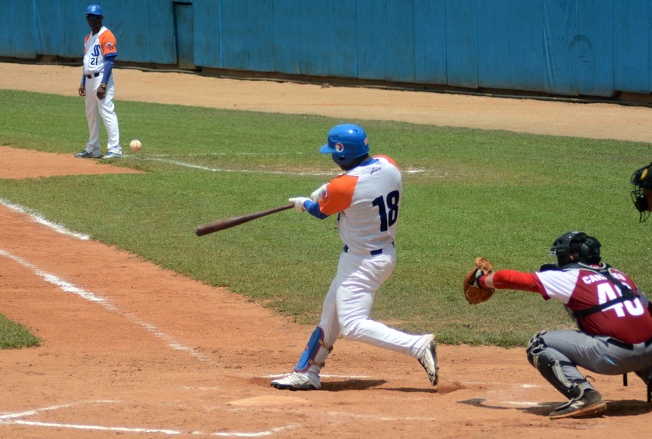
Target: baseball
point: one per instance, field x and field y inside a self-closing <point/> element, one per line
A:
<point x="135" y="145"/>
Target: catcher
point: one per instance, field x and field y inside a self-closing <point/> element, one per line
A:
<point x="614" y="320"/>
<point x="642" y="192"/>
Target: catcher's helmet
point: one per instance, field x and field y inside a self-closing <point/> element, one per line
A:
<point x="576" y="247"/>
<point x="642" y="191"/>
<point x="94" y="9"/>
<point x="346" y="143"/>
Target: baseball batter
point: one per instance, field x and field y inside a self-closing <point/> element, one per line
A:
<point x="100" y="50"/>
<point x="366" y="199"/>
<point x="613" y="316"/>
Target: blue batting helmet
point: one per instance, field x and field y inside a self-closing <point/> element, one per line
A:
<point x="94" y="9"/>
<point x="346" y="141"/>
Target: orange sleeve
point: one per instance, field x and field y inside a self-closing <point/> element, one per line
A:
<point x="388" y="158"/>
<point x="339" y="194"/>
<point x="108" y="43"/>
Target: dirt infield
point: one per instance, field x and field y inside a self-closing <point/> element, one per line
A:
<point x="21" y="163"/>
<point x="131" y="350"/>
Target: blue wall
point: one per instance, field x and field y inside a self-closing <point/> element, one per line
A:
<point x="569" y="47"/>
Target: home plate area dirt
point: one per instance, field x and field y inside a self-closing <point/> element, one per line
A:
<point x="133" y="350"/>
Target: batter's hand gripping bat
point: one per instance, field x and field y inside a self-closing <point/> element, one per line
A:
<point x="237" y="220"/>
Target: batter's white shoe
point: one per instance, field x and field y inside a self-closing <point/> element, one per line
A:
<point x="298" y="381"/>
<point x="428" y="359"/>
<point x="112" y="155"/>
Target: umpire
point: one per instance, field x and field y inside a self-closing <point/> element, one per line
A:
<point x="613" y="316"/>
<point x="642" y="192"/>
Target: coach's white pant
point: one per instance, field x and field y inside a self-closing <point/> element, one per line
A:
<point x="103" y="108"/>
<point x="348" y="304"/>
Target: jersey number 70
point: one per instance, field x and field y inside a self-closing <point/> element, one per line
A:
<point x="387" y="209"/>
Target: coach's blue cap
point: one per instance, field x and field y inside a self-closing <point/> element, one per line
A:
<point x="94" y="9"/>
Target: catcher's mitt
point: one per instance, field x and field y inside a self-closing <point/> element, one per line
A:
<point x="473" y="292"/>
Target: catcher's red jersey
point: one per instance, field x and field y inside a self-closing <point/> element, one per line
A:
<point x="629" y="321"/>
<point x="580" y="289"/>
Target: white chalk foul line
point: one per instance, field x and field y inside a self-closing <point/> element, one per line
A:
<point x="52" y="407"/>
<point x="38" y="218"/>
<point x="252" y="171"/>
<point x="221" y="154"/>
<point x="163" y="431"/>
<point x="105" y="303"/>
<point x="95" y="427"/>
<point x="14" y="418"/>
<point x="237" y="171"/>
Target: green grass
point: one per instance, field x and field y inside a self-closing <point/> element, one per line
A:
<point x="502" y="195"/>
<point x="13" y="335"/>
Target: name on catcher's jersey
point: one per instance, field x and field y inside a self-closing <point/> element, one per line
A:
<point x="579" y="289"/>
<point x="367" y="200"/>
<point x="96" y="47"/>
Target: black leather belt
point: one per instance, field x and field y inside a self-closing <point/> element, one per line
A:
<point x="628" y="346"/>
<point x="372" y="252"/>
<point x="91" y="75"/>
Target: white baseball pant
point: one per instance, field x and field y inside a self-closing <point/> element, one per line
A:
<point x="103" y="108"/>
<point x="348" y="304"/>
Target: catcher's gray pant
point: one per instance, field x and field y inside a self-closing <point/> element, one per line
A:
<point x="104" y="109"/>
<point x="557" y="353"/>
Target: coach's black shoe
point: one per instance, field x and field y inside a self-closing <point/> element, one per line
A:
<point x="88" y="155"/>
<point x="588" y="404"/>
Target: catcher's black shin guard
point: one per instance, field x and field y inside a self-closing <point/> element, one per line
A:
<point x="550" y="364"/>
<point x="646" y="376"/>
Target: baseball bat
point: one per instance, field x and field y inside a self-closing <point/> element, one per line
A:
<point x="237" y="220"/>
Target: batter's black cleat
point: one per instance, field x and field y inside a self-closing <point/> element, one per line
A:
<point x="587" y="405"/>
<point x="646" y="376"/>
<point x="88" y="155"/>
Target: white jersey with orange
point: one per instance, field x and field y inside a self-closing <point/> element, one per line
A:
<point x="367" y="201"/>
<point x="96" y="47"/>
